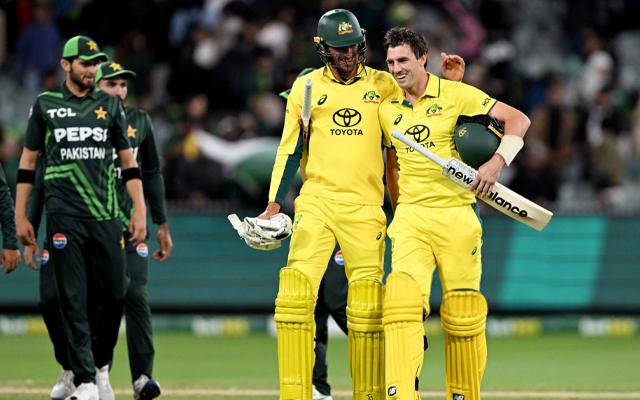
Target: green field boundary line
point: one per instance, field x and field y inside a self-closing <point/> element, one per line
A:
<point x="497" y="394"/>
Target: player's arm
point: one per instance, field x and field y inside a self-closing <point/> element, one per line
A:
<point x="153" y="185"/>
<point x="392" y="177"/>
<point x="131" y="175"/>
<point x="132" y="179"/>
<point x="10" y="252"/>
<point x="34" y="143"/>
<point x="34" y="214"/>
<point x="24" y="186"/>
<point x="289" y="152"/>
<point x="516" y="124"/>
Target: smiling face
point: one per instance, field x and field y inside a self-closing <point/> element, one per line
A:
<point x="406" y="69"/>
<point x="345" y="61"/>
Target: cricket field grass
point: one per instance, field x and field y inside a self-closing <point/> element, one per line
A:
<point x="550" y="366"/>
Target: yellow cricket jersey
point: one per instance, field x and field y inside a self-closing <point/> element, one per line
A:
<point x="341" y="159"/>
<point x="430" y="122"/>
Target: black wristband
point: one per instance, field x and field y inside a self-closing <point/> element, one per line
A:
<point x="26" y="176"/>
<point x="131" y="173"/>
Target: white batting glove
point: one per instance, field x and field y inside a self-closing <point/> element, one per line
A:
<point x="261" y="234"/>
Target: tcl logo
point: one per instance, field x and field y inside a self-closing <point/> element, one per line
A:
<point x="61" y="113"/>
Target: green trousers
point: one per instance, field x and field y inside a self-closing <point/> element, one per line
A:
<point x="137" y="312"/>
<point x="87" y="257"/>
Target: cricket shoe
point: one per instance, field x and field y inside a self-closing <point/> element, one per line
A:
<point x="104" y="386"/>
<point x="86" y="391"/>
<point x="64" y="386"/>
<point x="319" y="396"/>
<point x="145" y="388"/>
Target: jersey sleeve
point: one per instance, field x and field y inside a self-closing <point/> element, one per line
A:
<point x="152" y="180"/>
<point x="7" y="215"/>
<point x="471" y="100"/>
<point x="289" y="151"/>
<point x="36" y="128"/>
<point x="118" y="129"/>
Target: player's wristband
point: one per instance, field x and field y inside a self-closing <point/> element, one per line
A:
<point x="26" y="176"/>
<point x="509" y="147"/>
<point x="131" y="173"/>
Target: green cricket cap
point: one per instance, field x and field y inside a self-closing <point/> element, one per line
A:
<point x="112" y="69"/>
<point x="84" y="48"/>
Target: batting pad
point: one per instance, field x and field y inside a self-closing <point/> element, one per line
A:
<point x="366" y="339"/>
<point x="296" y="329"/>
<point x="404" y="336"/>
<point x="464" y="316"/>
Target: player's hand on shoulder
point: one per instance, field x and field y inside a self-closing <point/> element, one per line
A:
<point x="452" y="67"/>
<point x="10" y="259"/>
<point x="487" y="176"/>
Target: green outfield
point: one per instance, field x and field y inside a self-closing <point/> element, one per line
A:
<point x="559" y="366"/>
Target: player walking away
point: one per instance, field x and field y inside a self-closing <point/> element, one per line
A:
<point x="10" y="253"/>
<point x="77" y="128"/>
<point x="435" y="222"/>
<point x="112" y="78"/>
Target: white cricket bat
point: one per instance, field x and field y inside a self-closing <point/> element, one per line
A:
<point x="501" y="198"/>
<point x="306" y="104"/>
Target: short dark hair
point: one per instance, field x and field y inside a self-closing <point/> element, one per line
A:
<point x="400" y="35"/>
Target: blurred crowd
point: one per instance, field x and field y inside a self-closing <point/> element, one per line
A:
<point x="209" y="73"/>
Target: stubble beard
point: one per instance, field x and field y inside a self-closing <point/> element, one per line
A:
<point x="77" y="80"/>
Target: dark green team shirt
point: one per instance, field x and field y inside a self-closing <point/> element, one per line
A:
<point x="78" y="137"/>
<point x="140" y="134"/>
<point x="7" y="215"/>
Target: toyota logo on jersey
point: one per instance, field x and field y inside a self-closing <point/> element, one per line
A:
<point x="347" y="117"/>
<point x="420" y="133"/>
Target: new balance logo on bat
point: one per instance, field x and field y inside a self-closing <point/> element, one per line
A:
<point x="464" y="176"/>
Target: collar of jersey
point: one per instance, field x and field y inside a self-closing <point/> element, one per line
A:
<point x="432" y="90"/>
<point x="68" y="95"/>
<point x="362" y="71"/>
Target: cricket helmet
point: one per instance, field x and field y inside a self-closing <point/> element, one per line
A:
<point x="476" y="138"/>
<point x="339" y="28"/>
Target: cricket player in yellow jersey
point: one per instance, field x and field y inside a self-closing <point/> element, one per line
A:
<point x="435" y="221"/>
<point x="341" y="161"/>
